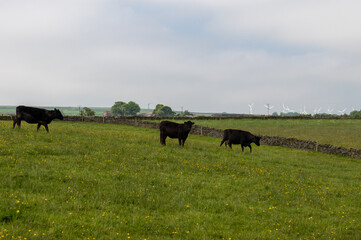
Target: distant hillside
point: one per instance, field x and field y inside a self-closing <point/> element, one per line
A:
<point x="74" y="111"/>
<point x="69" y="111"/>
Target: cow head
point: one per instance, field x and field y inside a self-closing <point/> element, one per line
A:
<point x="58" y="114"/>
<point x="188" y="125"/>
<point x="256" y="140"/>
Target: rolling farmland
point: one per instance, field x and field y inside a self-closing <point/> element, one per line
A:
<point x="89" y="180"/>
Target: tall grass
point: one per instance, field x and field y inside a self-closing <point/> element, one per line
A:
<point x="96" y="181"/>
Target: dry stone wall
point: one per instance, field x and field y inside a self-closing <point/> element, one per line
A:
<point x="212" y="132"/>
<point x="287" y="142"/>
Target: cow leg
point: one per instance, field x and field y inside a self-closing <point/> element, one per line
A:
<point x="242" y="148"/>
<point x="37" y="129"/>
<point x="225" y="141"/>
<point x="14" y="123"/>
<point x="250" y="148"/>
<point x="180" y="141"/>
<point x="184" y="140"/>
<point x="46" y="127"/>
<point x="162" y="138"/>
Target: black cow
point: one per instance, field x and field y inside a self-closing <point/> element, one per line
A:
<point x="233" y="136"/>
<point x="36" y="115"/>
<point x="175" y="130"/>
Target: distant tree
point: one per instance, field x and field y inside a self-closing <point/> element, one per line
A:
<point x="166" y="111"/>
<point x="118" y="108"/>
<point x="131" y="108"/>
<point x="88" y="112"/>
<point x="157" y="109"/>
<point x="185" y="113"/>
<point x="275" y="114"/>
<point x="355" y="114"/>
<point x="122" y="108"/>
<point x="323" y="115"/>
<point x="163" y="111"/>
<point x="290" y="114"/>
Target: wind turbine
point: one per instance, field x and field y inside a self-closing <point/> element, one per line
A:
<point x="290" y="110"/>
<point x="285" y="109"/>
<point x="250" y="108"/>
<point x="342" y="111"/>
<point x="304" y="110"/>
<point x="268" y="107"/>
<point x="317" y="111"/>
<point x="329" y="111"/>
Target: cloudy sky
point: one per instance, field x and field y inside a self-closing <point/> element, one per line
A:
<point x="202" y="55"/>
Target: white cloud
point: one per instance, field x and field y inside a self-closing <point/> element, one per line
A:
<point x="320" y="23"/>
<point x="236" y="52"/>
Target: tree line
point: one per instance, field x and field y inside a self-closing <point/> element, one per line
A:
<point x="131" y="108"/>
<point x="353" y="114"/>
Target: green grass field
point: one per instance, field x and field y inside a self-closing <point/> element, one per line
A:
<point x="98" y="181"/>
<point x="341" y="132"/>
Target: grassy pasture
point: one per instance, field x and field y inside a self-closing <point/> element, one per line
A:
<point x="340" y="132"/>
<point x="97" y="181"/>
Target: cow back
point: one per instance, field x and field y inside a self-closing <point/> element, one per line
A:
<point x="237" y="136"/>
<point x="171" y="129"/>
<point x="33" y="114"/>
<point x="36" y="113"/>
<point x="175" y="130"/>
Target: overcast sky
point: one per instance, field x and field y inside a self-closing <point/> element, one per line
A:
<point x="202" y="55"/>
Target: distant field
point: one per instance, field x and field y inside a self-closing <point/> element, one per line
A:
<point x="74" y="111"/>
<point x="7" y="110"/>
<point x="341" y="132"/>
<point x="70" y="111"/>
<point x="105" y="181"/>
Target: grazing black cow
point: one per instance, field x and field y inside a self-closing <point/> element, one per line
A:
<point x="233" y="136"/>
<point x="175" y="130"/>
<point x="36" y="115"/>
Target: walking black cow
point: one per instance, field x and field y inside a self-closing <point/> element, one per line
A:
<point x="233" y="136"/>
<point x="36" y="115"/>
<point x="175" y="130"/>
